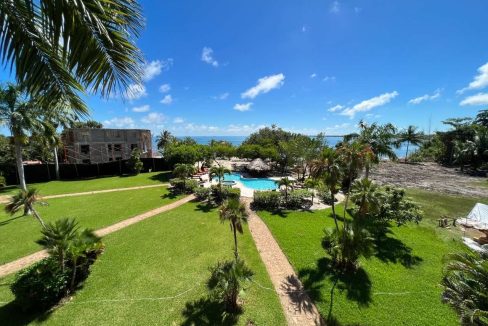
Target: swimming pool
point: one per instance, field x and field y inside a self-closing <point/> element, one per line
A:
<point x="252" y="183"/>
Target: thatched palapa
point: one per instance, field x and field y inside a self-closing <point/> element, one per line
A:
<point x="258" y="166"/>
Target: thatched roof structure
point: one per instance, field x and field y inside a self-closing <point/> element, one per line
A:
<point x="258" y="166"/>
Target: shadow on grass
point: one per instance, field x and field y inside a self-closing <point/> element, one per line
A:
<point x="170" y="195"/>
<point x="162" y="176"/>
<point x="356" y="284"/>
<point x="205" y="207"/>
<point x="207" y="312"/>
<point x="8" y="189"/>
<point x="11" y="314"/>
<point x="2" y="223"/>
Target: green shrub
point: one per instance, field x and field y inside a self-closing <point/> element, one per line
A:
<point x="181" y="186"/>
<point x="324" y="195"/>
<point x="134" y="163"/>
<point x="3" y="182"/>
<point x="396" y="206"/>
<point x="40" y="285"/>
<point x="296" y="198"/>
<point x="220" y="194"/>
<point x="202" y="194"/>
<point x="268" y="200"/>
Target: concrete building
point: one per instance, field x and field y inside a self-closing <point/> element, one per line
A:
<point x="85" y="145"/>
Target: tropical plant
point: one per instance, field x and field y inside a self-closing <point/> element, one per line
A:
<point x="219" y="172"/>
<point x="58" y="49"/>
<point x="268" y="200"/>
<point x="234" y="211"/>
<point x="183" y="171"/>
<point x="225" y="282"/>
<point x="287" y="183"/>
<point x="410" y="136"/>
<point x="163" y="140"/>
<point x="25" y="199"/>
<point x="466" y="286"/>
<point x="134" y="163"/>
<point x="365" y="195"/>
<point x="327" y="168"/>
<point x="396" y="206"/>
<point x="88" y="124"/>
<point x="311" y="184"/>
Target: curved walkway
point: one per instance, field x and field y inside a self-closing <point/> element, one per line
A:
<point x="5" y="199"/>
<point x="23" y="262"/>
<point x="297" y="305"/>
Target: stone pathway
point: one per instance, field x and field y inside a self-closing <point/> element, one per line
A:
<point x="297" y="305"/>
<point x="23" y="262"/>
<point x="5" y="199"/>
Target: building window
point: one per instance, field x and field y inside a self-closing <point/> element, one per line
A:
<point x="133" y="146"/>
<point x="109" y="147"/>
<point x="85" y="149"/>
<point x="117" y="147"/>
<point x="118" y="158"/>
<point x="110" y="159"/>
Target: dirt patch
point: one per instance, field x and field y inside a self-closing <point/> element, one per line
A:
<point x="428" y="176"/>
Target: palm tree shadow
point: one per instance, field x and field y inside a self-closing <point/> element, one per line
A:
<point x="207" y="312"/>
<point x="163" y="176"/>
<point x="356" y="284"/>
<point x="10" y="220"/>
<point x="12" y="314"/>
<point x="205" y="207"/>
<point x="170" y="195"/>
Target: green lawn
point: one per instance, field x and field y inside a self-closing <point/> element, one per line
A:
<point x="397" y="286"/>
<point x="146" y="263"/>
<point x="64" y="187"/>
<point x="18" y="233"/>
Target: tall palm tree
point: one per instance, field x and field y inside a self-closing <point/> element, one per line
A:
<point x="25" y="199"/>
<point x="163" y="140"/>
<point x="410" y="136"/>
<point x="327" y="167"/>
<point x="287" y="183"/>
<point x="219" y="172"/>
<point x="61" y="48"/>
<point x="234" y="211"/>
<point x="466" y="286"/>
<point x="365" y="194"/>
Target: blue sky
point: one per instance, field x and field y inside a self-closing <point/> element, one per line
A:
<point x="230" y="67"/>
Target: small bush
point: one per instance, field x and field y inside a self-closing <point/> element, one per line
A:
<point x="296" y="199"/>
<point x="268" y="200"/>
<point x="325" y="197"/>
<point x="202" y="194"/>
<point x="181" y="186"/>
<point x="40" y="285"/>
<point x="134" y="163"/>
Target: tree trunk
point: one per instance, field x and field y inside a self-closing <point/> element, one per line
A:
<point x="236" y="254"/>
<point x="334" y="214"/>
<point x="20" y="165"/>
<point x="73" y="276"/>
<point x="56" y="162"/>
<point x="38" y="217"/>
<point x="406" y="154"/>
<point x="366" y="170"/>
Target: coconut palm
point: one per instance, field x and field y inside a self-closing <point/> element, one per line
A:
<point x="183" y="171"/>
<point x="327" y="168"/>
<point x="219" y="172"/>
<point x="61" y="48"/>
<point x="365" y="194"/>
<point x="234" y="211"/>
<point x="311" y="183"/>
<point x="410" y="136"/>
<point x="287" y="183"/>
<point x="25" y="199"/>
<point x="163" y="140"/>
<point x="466" y="286"/>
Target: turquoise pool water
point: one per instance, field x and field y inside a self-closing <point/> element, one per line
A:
<point x="252" y="183"/>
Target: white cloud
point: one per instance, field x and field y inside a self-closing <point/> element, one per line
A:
<point x="304" y="28"/>
<point x="123" y="123"/>
<point x="338" y="129"/>
<point x="167" y="99"/>
<point x="242" y="129"/>
<point x="480" y="81"/>
<point x="142" y="108"/>
<point x="207" y="56"/>
<point x="426" y="97"/>
<point x="165" y="88"/>
<point x="178" y="120"/>
<point x="478" y="99"/>
<point x="264" y="85"/>
<point x="313" y="75"/>
<point x="335" y="7"/>
<point x="135" y="91"/>
<point x="153" y="118"/>
<point x="222" y="96"/>
<point x="329" y="78"/>
<point x="243" y="107"/>
<point x="153" y="68"/>
<point x="336" y="108"/>
<point x="369" y="104"/>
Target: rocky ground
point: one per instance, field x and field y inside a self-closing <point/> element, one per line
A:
<point x="429" y="176"/>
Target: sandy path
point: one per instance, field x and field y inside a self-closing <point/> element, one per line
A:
<point x="5" y="199"/>
<point x="297" y="305"/>
<point x="23" y="262"/>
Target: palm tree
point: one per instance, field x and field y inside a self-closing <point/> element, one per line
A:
<point x="164" y="139"/>
<point x="234" y="211"/>
<point x="59" y="49"/>
<point x="25" y="199"/>
<point x="311" y="183"/>
<point x="219" y="172"/>
<point x="466" y="286"/>
<point x="327" y="167"/>
<point x="78" y="248"/>
<point x="287" y="183"/>
<point x="365" y="194"/>
<point x="183" y="171"/>
<point x="410" y="136"/>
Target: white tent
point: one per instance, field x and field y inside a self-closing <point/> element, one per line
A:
<point x="477" y="218"/>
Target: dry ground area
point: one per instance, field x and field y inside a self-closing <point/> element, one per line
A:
<point x="429" y="176"/>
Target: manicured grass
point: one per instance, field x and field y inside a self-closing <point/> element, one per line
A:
<point x="399" y="285"/>
<point x="64" y="187"/>
<point x="18" y="233"/>
<point x="162" y="257"/>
